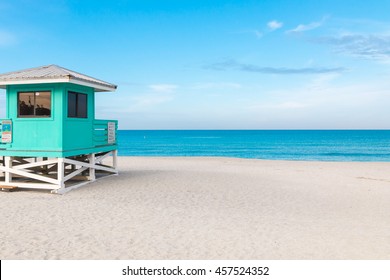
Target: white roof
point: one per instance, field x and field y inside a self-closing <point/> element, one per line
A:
<point x="53" y="74"/>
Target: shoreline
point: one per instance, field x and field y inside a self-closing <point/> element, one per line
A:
<point x="207" y="208"/>
<point x="243" y="158"/>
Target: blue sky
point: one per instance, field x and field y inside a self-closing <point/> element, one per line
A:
<point x="214" y="64"/>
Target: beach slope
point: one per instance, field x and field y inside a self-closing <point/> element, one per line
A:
<point x="207" y="208"/>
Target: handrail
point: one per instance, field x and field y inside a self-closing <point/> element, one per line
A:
<point x="105" y="132"/>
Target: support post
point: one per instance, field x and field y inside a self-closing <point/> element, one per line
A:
<point x="8" y="164"/>
<point x="91" y="175"/>
<point x="115" y="160"/>
<point x="60" y="172"/>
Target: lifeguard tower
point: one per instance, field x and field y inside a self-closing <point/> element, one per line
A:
<point x="50" y="138"/>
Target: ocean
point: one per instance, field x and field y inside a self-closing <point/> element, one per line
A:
<point x="309" y="145"/>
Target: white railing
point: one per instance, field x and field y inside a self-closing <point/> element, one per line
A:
<point x="105" y="132"/>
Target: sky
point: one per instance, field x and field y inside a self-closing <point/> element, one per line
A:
<point x="265" y="64"/>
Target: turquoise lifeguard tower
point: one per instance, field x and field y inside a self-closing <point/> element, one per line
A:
<point x="50" y="138"/>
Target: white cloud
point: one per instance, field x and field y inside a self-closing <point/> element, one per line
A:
<point x="306" y="27"/>
<point x="274" y="24"/>
<point x="163" y="87"/>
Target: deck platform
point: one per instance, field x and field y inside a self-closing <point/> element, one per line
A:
<point x="59" y="175"/>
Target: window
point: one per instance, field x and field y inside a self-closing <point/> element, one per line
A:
<point x="34" y="104"/>
<point x="77" y="105"/>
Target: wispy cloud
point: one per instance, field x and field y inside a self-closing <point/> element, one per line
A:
<point x="234" y="65"/>
<point x="280" y="105"/>
<point x="274" y="24"/>
<point x="271" y="26"/>
<point x="217" y="86"/>
<point x="334" y="104"/>
<point x="370" y="46"/>
<point x="163" y="87"/>
<point x="371" y="41"/>
<point x="150" y="100"/>
<point x="258" y="33"/>
<point x="306" y="27"/>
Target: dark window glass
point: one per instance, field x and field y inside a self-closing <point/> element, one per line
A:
<point x="72" y="104"/>
<point x="82" y="105"/>
<point x="34" y="104"/>
<point x="77" y="105"/>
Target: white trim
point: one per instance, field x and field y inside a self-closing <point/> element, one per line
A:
<point x="74" y="173"/>
<point x="8" y="165"/>
<point x="32" y="185"/>
<point x="98" y="87"/>
<point x="33" y="81"/>
<point x="28" y="175"/>
<point x="88" y="165"/>
<point x="61" y="172"/>
<point x="100" y="158"/>
<point x="33" y="164"/>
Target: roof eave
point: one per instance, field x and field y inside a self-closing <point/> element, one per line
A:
<point x="5" y="83"/>
<point x="97" y="87"/>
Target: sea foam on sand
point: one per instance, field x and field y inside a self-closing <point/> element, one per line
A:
<point x="207" y="208"/>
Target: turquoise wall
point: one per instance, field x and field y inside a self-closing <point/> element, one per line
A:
<point x="36" y="133"/>
<point x="77" y="132"/>
<point x="57" y="135"/>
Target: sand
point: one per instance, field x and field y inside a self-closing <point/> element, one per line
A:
<point x="207" y="208"/>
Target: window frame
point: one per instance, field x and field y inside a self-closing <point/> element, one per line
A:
<point x="76" y="109"/>
<point x="34" y="116"/>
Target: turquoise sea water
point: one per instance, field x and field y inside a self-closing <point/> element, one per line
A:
<point x="322" y="145"/>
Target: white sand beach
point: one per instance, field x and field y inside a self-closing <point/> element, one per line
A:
<point x="207" y="208"/>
